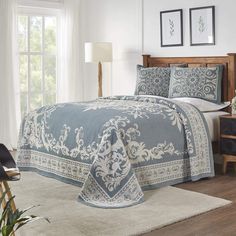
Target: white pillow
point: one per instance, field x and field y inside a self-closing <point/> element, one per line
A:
<point x="203" y="105"/>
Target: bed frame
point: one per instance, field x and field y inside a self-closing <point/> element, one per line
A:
<point x="228" y="61"/>
<point x="229" y="72"/>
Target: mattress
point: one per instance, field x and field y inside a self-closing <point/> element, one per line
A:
<point x="213" y="122"/>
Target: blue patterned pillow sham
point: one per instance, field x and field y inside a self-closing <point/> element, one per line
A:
<point x="152" y="81"/>
<point x="200" y="82"/>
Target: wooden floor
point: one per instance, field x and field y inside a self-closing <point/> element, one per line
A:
<point x="220" y="222"/>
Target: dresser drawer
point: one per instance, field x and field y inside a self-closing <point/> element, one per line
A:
<point x="228" y="126"/>
<point x="228" y="146"/>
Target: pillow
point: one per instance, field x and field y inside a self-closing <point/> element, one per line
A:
<point x="200" y="82"/>
<point x="203" y="105"/>
<point x="152" y="81"/>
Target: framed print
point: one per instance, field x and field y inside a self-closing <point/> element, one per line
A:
<point x="171" y="28"/>
<point x="202" y="26"/>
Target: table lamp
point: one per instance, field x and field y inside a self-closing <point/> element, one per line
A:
<point x="97" y="53"/>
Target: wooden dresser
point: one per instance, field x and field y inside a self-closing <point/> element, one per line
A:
<point x="228" y="139"/>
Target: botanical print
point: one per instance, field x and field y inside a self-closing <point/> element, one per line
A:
<point x="113" y="147"/>
<point x="172" y="27"/>
<point x="202" y="25"/>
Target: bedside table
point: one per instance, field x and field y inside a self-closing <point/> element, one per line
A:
<point x="228" y="139"/>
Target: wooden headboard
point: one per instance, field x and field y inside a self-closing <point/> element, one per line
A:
<point x="228" y="61"/>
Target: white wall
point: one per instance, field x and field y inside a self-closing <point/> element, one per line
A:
<point x="119" y="22"/>
<point x="134" y="27"/>
<point x="225" y="27"/>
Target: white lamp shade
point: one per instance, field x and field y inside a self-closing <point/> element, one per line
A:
<point x="98" y="52"/>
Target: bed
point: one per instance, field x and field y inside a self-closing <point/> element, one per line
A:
<point x="114" y="148"/>
<point x="228" y="81"/>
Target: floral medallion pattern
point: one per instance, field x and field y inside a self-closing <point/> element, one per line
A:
<point x="200" y="82"/>
<point x="113" y="147"/>
<point x="152" y="81"/>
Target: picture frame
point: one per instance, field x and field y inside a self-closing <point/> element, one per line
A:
<point x="202" y="25"/>
<point x="171" y="28"/>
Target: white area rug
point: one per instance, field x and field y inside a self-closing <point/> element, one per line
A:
<point x="68" y="217"/>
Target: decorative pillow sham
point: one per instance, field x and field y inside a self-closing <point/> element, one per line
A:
<point x="203" y="105"/>
<point x="200" y="82"/>
<point x="152" y="81"/>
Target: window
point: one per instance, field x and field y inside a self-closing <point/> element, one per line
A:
<point x="37" y="40"/>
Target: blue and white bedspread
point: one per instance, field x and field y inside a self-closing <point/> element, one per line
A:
<point x="116" y="147"/>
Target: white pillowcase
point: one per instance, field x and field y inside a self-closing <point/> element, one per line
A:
<point x="203" y="105"/>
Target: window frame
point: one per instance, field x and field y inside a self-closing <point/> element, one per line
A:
<point x="41" y="12"/>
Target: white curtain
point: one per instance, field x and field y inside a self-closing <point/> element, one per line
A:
<point x="9" y="93"/>
<point x="70" y="83"/>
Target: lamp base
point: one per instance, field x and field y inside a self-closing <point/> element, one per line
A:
<point x="99" y="79"/>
